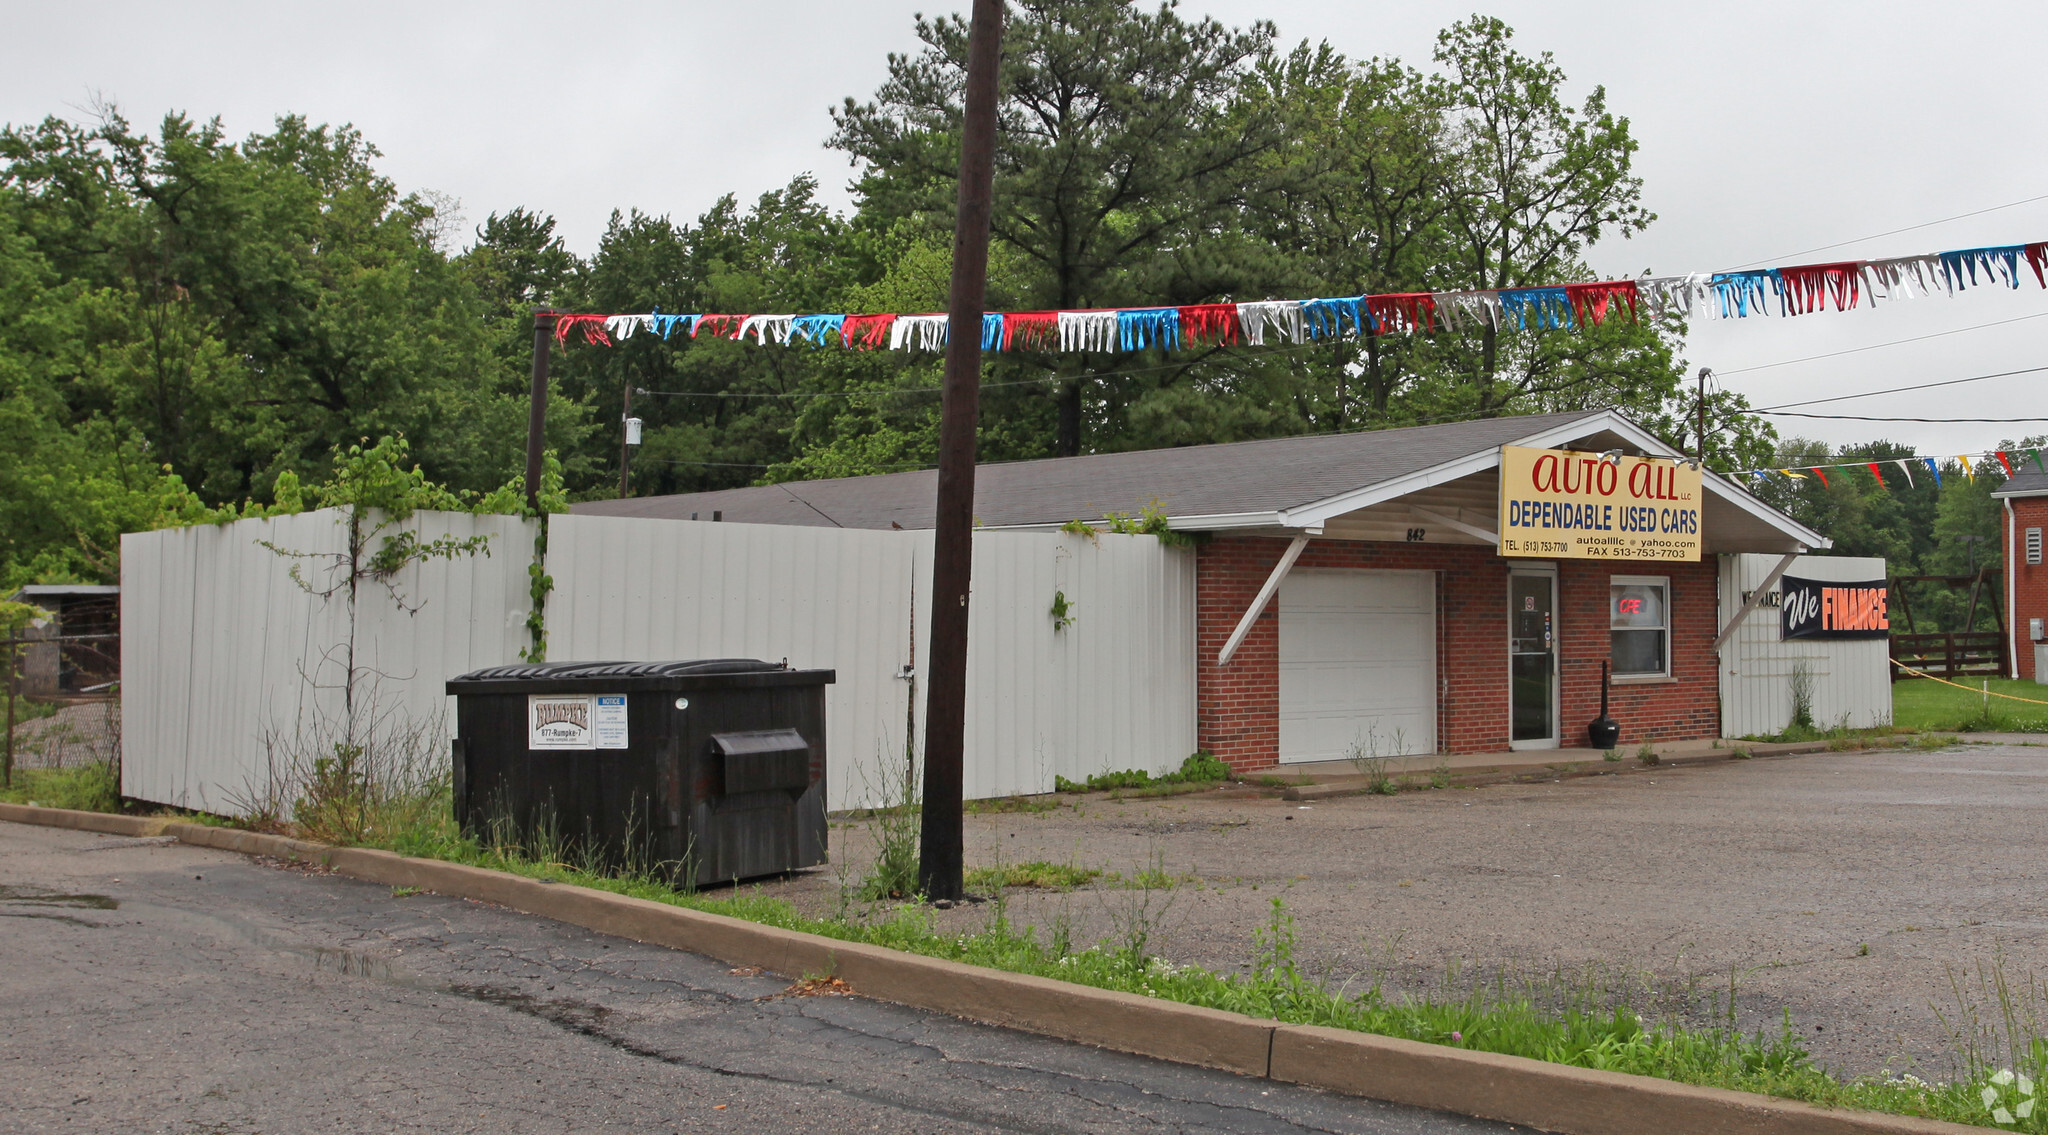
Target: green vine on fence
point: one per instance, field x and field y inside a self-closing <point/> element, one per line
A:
<point x="1150" y="521"/>
<point x="381" y="490"/>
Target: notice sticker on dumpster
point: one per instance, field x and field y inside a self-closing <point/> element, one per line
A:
<point x="559" y="721"/>
<point x="610" y="721"/>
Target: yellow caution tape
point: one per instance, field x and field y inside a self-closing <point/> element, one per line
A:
<point x="1960" y="686"/>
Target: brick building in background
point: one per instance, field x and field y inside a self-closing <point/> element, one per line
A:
<point x="1350" y="592"/>
<point x="2025" y="500"/>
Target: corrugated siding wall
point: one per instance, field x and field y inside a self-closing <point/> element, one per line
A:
<point x="221" y="648"/>
<point x="1115" y="690"/>
<point x="1851" y="678"/>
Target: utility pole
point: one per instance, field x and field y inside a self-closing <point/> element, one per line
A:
<point x="940" y="851"/>
<point x="537" y="406"/>
<point x="629" y="436"/>
<point x="1705" y="374"/>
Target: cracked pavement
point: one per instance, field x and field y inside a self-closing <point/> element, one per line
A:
<point x="151" y="986"/>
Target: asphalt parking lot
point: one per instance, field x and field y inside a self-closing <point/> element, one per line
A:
<point x="1846" y="887"/>
<point x="153" y="986"/>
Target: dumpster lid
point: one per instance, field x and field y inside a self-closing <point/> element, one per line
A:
<point x="557" y="671"/>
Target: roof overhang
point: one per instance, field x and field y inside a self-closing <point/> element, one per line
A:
<point x="1770" y="530"/>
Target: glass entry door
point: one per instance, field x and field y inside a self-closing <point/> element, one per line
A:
<point x="1532" y="660"/>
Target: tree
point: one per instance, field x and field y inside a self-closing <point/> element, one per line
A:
<point x="278" y="294"/>
<point x="1127" y="148"/>
<point x="1537" y="182"/>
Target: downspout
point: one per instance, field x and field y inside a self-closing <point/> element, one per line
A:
<point x="2012" y="622"/>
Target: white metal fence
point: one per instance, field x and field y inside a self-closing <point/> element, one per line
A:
<point x="222" y="650"/>
<point x="1114" y="689"/>
<point x="1851" y="677"/>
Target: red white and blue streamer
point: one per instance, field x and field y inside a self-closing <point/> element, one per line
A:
<point x="1797" y="290"/>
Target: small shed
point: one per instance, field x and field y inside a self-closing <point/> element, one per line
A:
<point x="75" y="654"/>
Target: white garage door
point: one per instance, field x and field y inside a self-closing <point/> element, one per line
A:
<point x="1357" y="664"/>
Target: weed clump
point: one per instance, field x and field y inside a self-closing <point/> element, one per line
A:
<point x="1199" y="769"/>
<point x="1037" y="874"/>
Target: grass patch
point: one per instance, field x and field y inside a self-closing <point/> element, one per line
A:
<point x="1922" y="704"/>
<point x="1038" y="874"/>
<point x="83" y="788"/>
<point x="1200" y="770"/>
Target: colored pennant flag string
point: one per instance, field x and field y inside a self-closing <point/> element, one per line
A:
<point x="2011" y="462"/>
<point x="1793" y="290"/>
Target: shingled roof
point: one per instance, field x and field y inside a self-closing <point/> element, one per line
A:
<point x="1236" y="478"/>
<point x="2025" y="483"/>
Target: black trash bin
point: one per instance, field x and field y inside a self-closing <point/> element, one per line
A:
<point x="706" y="771"/>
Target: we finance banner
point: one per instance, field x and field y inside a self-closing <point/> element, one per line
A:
<point x="1818" y="608"/>
<point x="1561" y="504"/>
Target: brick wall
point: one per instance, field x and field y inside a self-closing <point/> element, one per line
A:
<point x="1685" y="708"/>
<point x="2029" y="581"/>
<point x="1238" y="705"/>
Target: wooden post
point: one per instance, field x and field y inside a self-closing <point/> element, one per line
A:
<point x="625" y="442"/>
<point x="13" y="665"/>
<point x="941" y="840"/>
<point x="537" y="407"/>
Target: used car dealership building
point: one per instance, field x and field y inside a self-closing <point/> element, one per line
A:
<point x="1450" y="588"/>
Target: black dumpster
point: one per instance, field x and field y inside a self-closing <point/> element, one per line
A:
<point x="704" y="771"/>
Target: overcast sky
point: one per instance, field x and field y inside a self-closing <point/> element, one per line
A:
<point x="1767" y="131"/>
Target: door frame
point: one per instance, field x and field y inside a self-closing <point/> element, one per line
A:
<point x="1546" y="570"/>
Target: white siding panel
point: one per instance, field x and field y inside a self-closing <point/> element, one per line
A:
<point x="221" y="649"/>
<point x="1851" y="677"/>
<point x="1116" y="690"/>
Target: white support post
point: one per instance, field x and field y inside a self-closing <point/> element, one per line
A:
<point x="1266" y="593"/>
<point x="1456" y="525"/>
<point x="1756" y="597"/>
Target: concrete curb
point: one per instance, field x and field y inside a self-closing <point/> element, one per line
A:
<point x="1492" y="775"/>
<point x="1512" y="1089"/>
<point x="1554" y="1097"/>
<point x="83" y="821"/>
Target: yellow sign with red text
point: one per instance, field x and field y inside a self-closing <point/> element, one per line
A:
<point x="1561" y="504"/>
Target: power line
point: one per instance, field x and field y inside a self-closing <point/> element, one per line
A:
<point x="1894" y="390"/>
<point x="1895" y="232"/>
<point x="742" y="465"/>
<point x="1931" y="421"/>
<point x="1875" y="346"/>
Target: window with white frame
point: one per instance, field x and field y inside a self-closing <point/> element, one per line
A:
<point x="1639" y="623"/>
